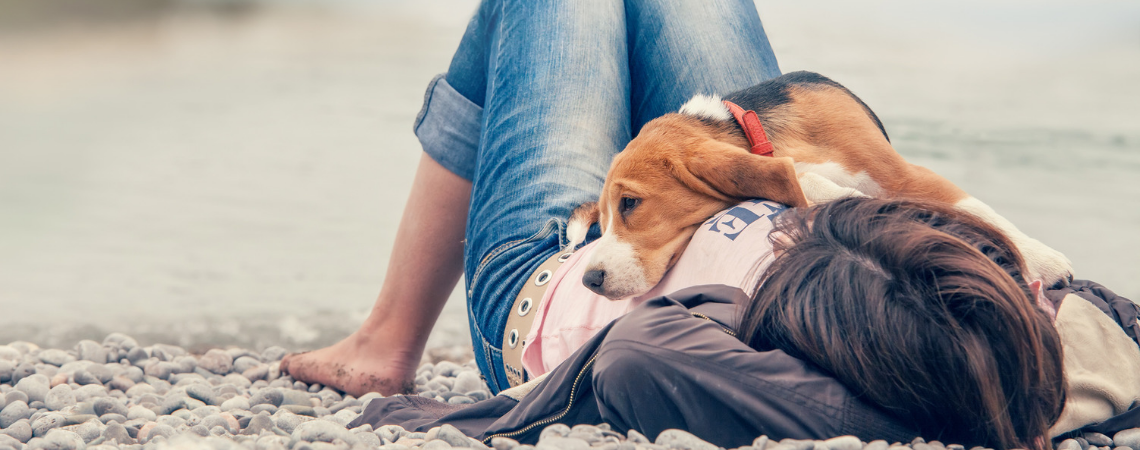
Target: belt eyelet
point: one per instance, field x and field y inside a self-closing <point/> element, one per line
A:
<point x="524" y="307"/>
<point x="543" y="278"/>
<point x="563" y="257"/>
<point x="513" y="338"/>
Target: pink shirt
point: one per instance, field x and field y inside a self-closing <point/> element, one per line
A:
<point x="732" y="249"/>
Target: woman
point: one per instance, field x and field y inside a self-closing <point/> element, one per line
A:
<point x="879" y="319"/>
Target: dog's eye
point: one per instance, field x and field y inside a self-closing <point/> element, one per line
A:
<point x="627" y="204"/>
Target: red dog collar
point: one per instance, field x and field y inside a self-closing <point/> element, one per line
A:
<point x="752" y="129"/>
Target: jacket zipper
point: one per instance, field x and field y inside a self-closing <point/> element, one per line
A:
<point x="722" y="327"/>
<point x="551" y="419"/>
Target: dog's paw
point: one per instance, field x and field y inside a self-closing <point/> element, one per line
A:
<point x="579" y="224"/>
<point x="1045" y="264"/>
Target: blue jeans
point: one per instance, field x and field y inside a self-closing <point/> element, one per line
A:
<point x="540" y="96"/>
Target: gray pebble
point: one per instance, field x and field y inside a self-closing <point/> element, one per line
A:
<point x="202" y="392"/>
<point x="122" y="383"/>
<point x="305" y="410"/>
<point x="216" y="361"/>
<point x="13" y="397"/>
<point x="112" y="417"/>
<point x="436" y="445"/>
<point x="322" y="431"/>
<point x="9" y="354"/>
<point x="12" y="443"/>
<point x="137" y="355"/>
<point x="1127" y="438"/>
<point x="503" y="443"/>
<point x="257" y="424"/>
<point x="245" y="363"/>
<point x="460" y="400"/>
<point x="21" y="430"/>
<point x="63" y="440"/>
<point x="257" y="373"/>
<point x="13" y="412"/>
<point x="241" y="403"/>
<point x="59" y="397"/>
<point x="451" y="435"/>
<point x="120" y="340"/>
<point x="91" y="351"/>
<point x="468" y="381"/>
<point x="679" y="439"/>
<point x="46" y="423"/>
<point x="879" y="445"/>
<point x="761" y="442"/>
<point x="557" y="429"/>
<point x="24" y="369"/>
<point x="88" y="430"/>
<point x="270" y="396"/>
<point x="273" y="353"/>
<point x="55" y="357"/>
<point x="7" y="368"/>
<point x="844" y="443"/>
<point x="139" y="412"/>
<point x="160" y="430"/>
<point x="106" y="405"/>
<point x="267" y="408"/>
<point x="288" y="421"/>
<point x="1069" y="444"/>
<point x="368" y="439"/>
<point x="35" y="386"/>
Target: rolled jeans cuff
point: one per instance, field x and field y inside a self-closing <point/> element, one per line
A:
<point x="448" y="128"/>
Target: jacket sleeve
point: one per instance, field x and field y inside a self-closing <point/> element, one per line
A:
<point x="665" y="366"/>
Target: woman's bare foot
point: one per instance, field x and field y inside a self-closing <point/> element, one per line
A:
<point x="356" y="365"/>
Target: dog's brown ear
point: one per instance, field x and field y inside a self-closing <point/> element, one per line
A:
<point x="732" y="172"/>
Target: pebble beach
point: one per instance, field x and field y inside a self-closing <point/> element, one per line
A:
<point x="119" y="395"/>
<point x="192" y="190"/>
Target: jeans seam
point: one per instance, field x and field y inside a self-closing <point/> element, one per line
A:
<point x="540" y="234"/>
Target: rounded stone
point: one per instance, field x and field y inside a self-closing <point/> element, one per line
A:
<point x="257" y="373"/>
<point x="36" y="386"/>
<point x="64" y="440"/>
<point x="245" y="363"/>
<point x="273" y="353"/>
<point x="1097" y="439"/>
<point x="503" y="443"/>
<point x="563" y="443"/>
<point x="270" y="396"/>
<point x="265" y="407"/>
<point x="59" y="397"/>
<point x="288" y="422"/>
<point x="258" y="423"/>
<point x="1127" y="438"/>
<point x="216" y="361"/>
<point x="117" y="433"/>
<point x="1069" y="444"/>
<point x="55" y="357"/>
<point x="106" y="405"/>
<point x="140" y="412"/>
<point x="137" y="355"/>
<point x="47" y="422"/>
<point x="89" y="350"/>
<point x="679" y="439"/>
<point x="120" y="340"/>
<point x="878" y="444"/>
<point x="83" y="377"/>
<point x="21" y="430"/>
<point x="202" y="392"/>
<point x="239" y="403"/>
<point x="843" y="443"/>
<point x="557" y="429"/>
<point x="13" y="412"/>
<point x="8" y="353"/>
<point x="435" y="445"/>
<point x="160" y="430"/>
<point x="112" y="417"/>
<point x="452" y="436"/>
<point x="322" y="431"/>
<point x="7" y="368"/>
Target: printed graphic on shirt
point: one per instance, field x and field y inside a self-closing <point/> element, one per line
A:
<point x="733" y="221"/>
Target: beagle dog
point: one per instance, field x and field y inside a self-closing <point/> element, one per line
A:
<point x="798" y="139"/>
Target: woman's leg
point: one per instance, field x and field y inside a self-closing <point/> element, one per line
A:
<point x="555" y="84"/>
<point x="679" y="48"/>
<point x="556" y="111"/>
<point x="426" y="262"/>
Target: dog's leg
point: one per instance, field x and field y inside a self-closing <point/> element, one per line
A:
<point x="818" y="189"/>
<point x="1042" y="262"/>
<point x="580" y="221"/>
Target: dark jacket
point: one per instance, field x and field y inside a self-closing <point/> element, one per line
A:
<point x="673" y="362"/>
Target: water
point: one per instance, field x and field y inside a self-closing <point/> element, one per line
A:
<point x="235" y="176"/>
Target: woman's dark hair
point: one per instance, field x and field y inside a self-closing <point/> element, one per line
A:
<point x="919" y="309"/>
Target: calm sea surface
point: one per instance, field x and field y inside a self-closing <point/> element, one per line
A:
<point x="205" y="177"/>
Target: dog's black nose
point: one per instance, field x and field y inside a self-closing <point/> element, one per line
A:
<point x="594" y="280"/>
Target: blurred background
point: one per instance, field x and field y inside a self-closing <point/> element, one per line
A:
<point x="231" y="172"/>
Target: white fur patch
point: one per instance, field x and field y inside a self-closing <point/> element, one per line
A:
<point x="1042" y="262"/>
<point x="576" y="232"/>
<point x="707" y="106"/>
<point x="835" y="173"/>
<point x="624" y="274"/>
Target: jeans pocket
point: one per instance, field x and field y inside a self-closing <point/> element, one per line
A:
<point x="493" y="257"/>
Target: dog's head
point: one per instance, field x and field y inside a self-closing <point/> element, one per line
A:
<point x="679" y="171"/>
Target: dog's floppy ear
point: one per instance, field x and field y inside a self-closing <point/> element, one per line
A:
<point x="732" y="172"/>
